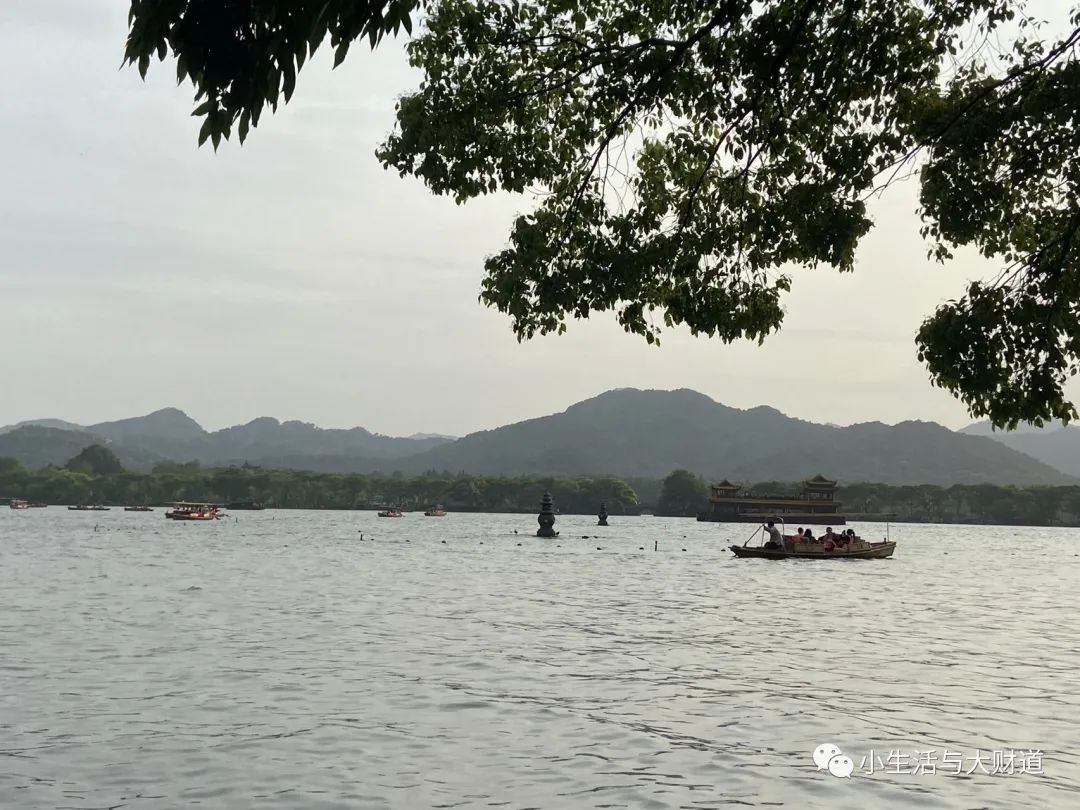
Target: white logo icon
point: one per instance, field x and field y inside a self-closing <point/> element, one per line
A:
<point x="829" y="757"/>
<point x="841" y="765"/>
<point x="823" y="753"/>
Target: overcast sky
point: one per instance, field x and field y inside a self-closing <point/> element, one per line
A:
<point x="295" y="278"/>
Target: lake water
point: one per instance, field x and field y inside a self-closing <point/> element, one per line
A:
<point x="278" y="661"/>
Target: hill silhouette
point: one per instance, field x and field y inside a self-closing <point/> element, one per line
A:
<point x="170" y="434"/>
<point x="1056" y="444"/>
<point x="626" y="432"/>
<point x="629" y="432"/>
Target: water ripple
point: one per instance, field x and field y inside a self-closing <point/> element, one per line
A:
<point x="287" y="664"/>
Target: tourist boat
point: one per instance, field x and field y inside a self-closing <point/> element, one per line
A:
<point x="138" y="509"/>
<point x="390" y="513"/>
<point x="814" y="505"/>
<point x="847" y="548"/>
<point x="191" y="510"/>
<point x="857" y="550"/>
<point x="18" y="503"/>
<point x="435" y="511"/>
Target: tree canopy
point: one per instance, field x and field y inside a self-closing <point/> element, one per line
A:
<point x="682" y="493"/>
<point x="686" y="156"/>
<point x="95" y="460"/>
<point x="299" y="489"/>
<point x="296" y="489"/>
<point x="242" y="56"/>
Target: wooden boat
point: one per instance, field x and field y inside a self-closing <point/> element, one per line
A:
<point x="138" y="509"/>
<point x="845" y="548"/>
<point x="435" y="511"/>
<point x="18" y="503"/>
<point x="192" y="510"/>
<point x="868" y="551"/>
<point x="390" y="513"/>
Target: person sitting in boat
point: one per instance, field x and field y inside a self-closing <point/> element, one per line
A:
<point x="829" y="538"/>
<point x="775" y="538"/>
<point x="808" y="536"/>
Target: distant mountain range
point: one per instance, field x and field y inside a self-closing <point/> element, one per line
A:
<point x="1056" y="444"/>
<point x="626" y="432"/>
<point x="170" y="434"/>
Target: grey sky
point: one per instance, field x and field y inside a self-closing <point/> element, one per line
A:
<point x="296" y="278"/>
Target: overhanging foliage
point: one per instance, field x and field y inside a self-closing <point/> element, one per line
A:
<point x="687" y="155"/>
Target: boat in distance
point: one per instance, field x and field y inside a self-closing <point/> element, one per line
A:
<point x="82" y="507"/>
<point x="193" y="510"/>
<point x="814" y="505"/>
<point x="390" y="513"/>
<point x="435" y="511"/>
<point x="18" y="503"/>
<point x="138" y="509"/>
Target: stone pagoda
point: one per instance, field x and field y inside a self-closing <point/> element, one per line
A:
<point x="546" y="518"/>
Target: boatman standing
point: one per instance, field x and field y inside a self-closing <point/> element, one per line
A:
<point x="774" y="535"/>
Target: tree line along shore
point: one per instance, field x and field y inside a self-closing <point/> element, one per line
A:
<point x="96" y="476"/>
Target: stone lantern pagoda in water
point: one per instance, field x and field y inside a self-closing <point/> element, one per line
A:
<point x="546" y="518"/>
<point x="601" y="518"/>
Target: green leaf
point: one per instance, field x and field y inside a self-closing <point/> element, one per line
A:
<point x="341" y="52"/>
<point x="289" y="79"/>
<point x="205" y="130"/>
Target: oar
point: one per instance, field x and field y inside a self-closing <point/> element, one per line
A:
<point x="751" y="537"/>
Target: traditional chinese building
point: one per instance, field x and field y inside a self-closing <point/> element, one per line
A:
<point x="815" y="504"/>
